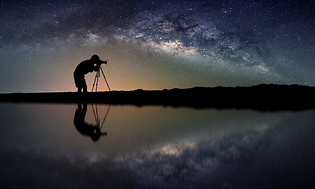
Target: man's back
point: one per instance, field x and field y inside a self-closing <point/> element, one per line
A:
<point x="84" y="67"/>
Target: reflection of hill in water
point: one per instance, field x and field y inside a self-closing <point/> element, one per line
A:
<point x="261" y="97"/>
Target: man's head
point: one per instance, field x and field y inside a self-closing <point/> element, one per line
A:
<point x="96" y="59"/>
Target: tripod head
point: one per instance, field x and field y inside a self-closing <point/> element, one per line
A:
<point x="98" y="73"/>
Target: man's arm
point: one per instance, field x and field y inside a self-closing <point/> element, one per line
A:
<point x="97" y="67"/>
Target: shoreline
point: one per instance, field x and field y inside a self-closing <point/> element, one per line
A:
<point x="261" y="97"/>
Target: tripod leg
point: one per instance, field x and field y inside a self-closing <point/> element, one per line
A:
<point x="105" y="78"/>
<point x="105" y="117"/>
<point x="95" y="114"/>
<point x="94" y="83"/>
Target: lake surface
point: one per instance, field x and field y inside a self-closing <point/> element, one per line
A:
<point x="56" y="146"/>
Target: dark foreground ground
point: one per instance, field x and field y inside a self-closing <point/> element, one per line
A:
<point x="261" y="97"/>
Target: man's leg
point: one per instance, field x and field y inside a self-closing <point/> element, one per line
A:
<point x="79" y="89"/>
<point x="84" y="89"/>
<point x="84" y="86"/>
<point x="78" y="81"/>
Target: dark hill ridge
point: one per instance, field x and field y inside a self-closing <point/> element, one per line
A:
<point x="261" y="97"/>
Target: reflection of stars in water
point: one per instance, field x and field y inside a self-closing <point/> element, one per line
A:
<point x="199" y="159"/>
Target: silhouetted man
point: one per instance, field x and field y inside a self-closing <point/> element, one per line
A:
<point x="85" y="67"/>
<point x="94" y="131"/>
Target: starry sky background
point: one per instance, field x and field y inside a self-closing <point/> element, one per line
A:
<point x="156" y="44"/>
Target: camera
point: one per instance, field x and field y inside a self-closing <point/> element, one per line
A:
<point x="101" y="62"/>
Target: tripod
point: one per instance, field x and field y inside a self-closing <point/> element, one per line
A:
<point x="97" y="77"/>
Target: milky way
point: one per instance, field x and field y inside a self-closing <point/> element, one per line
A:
<point x="157" y="44"/>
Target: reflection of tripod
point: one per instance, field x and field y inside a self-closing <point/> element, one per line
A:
<point x="96" y="79"/>
<point x="95" y="112"/>
<point x="92" y="130"/>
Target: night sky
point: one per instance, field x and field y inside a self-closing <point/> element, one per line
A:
<point x="156" y="44"/>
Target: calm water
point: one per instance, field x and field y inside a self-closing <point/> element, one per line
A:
<point x="56" y="146"/>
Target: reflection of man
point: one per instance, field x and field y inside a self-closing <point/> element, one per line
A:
<point x="84" y="128"/>
<point x="85" y="67"/>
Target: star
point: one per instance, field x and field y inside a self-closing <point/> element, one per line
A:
<point x="226" y="43"/>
